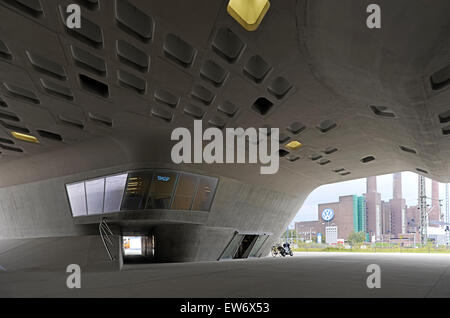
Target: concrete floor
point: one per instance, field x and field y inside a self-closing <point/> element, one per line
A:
<point x="304" y="275"/>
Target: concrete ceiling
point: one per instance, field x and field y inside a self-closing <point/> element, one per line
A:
<point x="111" y="93"/>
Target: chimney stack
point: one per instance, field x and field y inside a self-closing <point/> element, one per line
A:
<point x="397" y="186"/>
<point x="371" y="185"/>
<point x="435" y="213"/>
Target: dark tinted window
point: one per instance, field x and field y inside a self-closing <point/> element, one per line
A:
<point x="161" y="190"/>
<point x="138" y="185"/>
<point x="187" y="184"/>
<point x="205" y="193"/>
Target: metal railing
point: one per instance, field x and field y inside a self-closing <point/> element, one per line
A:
<point x="105" y="234"/>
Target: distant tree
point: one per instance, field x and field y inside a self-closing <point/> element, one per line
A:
<point x="291" y="235"/>
<point x="356" y="238"/>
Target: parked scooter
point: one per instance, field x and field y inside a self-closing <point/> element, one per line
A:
<point x="287" y="249"/>
<point x="282" y="250"/>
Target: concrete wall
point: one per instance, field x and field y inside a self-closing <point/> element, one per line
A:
<point x="41" y="209"/>
<point x="57" y="253"/>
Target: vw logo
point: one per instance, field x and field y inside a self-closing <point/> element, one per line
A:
<point x="327" y="215"/>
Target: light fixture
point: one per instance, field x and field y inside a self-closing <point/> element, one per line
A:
<point x="248" y="13"/>
<point x="293" y="145"/>
<point x="24" y="137"/>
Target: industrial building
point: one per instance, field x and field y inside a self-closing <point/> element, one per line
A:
<point x="349" y="216"/>
<point x="382" y="221"/>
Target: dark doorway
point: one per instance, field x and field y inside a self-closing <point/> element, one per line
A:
<point x="246" y="246"/>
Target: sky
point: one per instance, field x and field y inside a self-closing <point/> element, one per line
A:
<point x="331" y="192"/>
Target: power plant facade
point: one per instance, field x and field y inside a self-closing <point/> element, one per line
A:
<point x="379" y="220"/>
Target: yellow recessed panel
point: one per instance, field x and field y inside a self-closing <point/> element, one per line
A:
<point x="24" y="137"/>
<point x="293" y="145"/>
<point x="249" y="13"/>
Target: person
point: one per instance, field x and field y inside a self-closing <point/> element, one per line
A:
<point x="287" y="247"/>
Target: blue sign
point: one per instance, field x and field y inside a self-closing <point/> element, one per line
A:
<point x="164" y="179"/>
<point x="327" y="215"/>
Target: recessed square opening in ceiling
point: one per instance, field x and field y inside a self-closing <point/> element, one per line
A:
<point x="382" y="111"/>
<point x="227" y="45"/>
<point x="165" y="97"/>
<point x="129" y="80"/>
<point x="89" y="32"/>
<point x="132" y="56"/>
<point x="228" y="108"/>
<point x="49" y="135"/>
<point x="134" y="21"/>
<point x="9" y="148"/>
<point x="164" y="114"/>
<point x="279" y="87"/>
<point x="323" y="162"/>
<point x="56" y="90"/>
<point x="88" y="61"/>
<point x="71" y="122"/>
<point x="367" y="159"/>
<point x="422" y="170"/>
<point x="446" y="130"/>
<point x="194" y="111"/>
<point x="178" y="50"/>
<point x="441" y="78"/>
<point x="444" y="117"/>
<point x="213" y="73"/>
<point x="283" y="153"/>
<point x="4" y="51"/>
<point x="98" y="119"/>
<point x="89" y="4"/>
<point x="3" y="103"/>
<point x="292" y="158"/>
<point x="22" y="93"/>
<point x="30" y="7"/>
<point x="330" y="150"/>
<point x="256" y="68"/>
<point x="262" y="105"/>
<point x="6" y="141"/>
<point x="202" y="94"/>
<point x="296" y="127"/>
<point x="92" y="85"/>
<point x="406" y="149"/>
<point x="8" y="116"/>
<point x="326" y="126"/>
<point x="315" y="157"/>
<point x="15" y="128"/>
<point x="46" y="66"/>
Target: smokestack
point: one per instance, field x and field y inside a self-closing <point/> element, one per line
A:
<point x="397" y="186"/>
<point x="436" y="205"/>
<point x="371" y="185"/>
